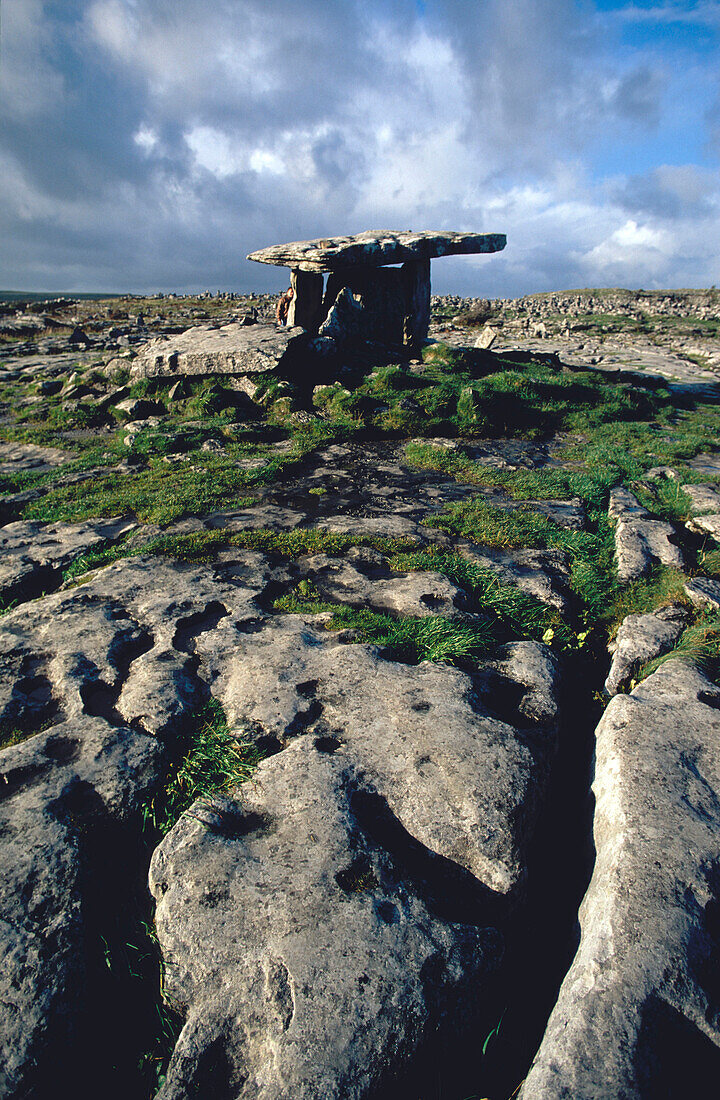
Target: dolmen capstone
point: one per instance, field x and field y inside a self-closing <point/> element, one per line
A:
<point x="365" y="301"/>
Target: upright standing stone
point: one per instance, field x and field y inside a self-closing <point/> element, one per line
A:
<point x="306" y="305"/>
<point x="416" y="274"/>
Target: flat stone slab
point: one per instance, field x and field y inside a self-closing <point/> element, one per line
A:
<point x="19" y="457"/>
<point x="375" y="249"/>
<point x="231" y="349"/>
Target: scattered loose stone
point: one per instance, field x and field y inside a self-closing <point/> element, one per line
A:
<point x="487" y="338"/>
<point x="704" y="498"/>
<point x="137" y="408"/>
<point x="637" y="1014"/>
<point x="706" y="525"/>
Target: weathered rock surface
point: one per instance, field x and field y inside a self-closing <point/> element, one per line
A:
<point x="704" y="592"/>
<point x="17" y="457"/>
<point x="102" y="669"/>
<point x="640" y="541"/>
<point x="638" y="1014"/>
<point x="419" y="784"/>
<point x="706" y="525"/>
<point x="704" y="498"/>
<point x="81" y="775"/>
<point x="294" y="678"/>
<point x="34" y="554"/>
<point x="362" y="579"/>
<point x="231" y="349"/>
<point x="640" y="639"/>
<point x="336" y="865"/>
<point x="373" y="249"/>
<point x="308" y="961"/>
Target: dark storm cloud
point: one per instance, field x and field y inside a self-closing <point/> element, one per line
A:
<point x="152" y="143"/>
<point x="670" y="193"/>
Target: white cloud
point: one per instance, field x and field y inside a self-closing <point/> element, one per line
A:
<point x="193" y="132"/>
<point x="146" y="138"/>
<point x="699" y="13"/>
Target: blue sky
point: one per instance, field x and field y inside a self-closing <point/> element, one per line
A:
<point x="150" y="144"/>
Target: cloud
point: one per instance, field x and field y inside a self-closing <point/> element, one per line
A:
<point x="164" y="139"/>
<point x="707" y="13"/>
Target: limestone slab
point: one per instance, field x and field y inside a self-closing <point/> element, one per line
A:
<point x="230" y="349"/>
<point x="638" y="1014"/>
<point x="640" y="639"/>
<point x="374" y="249"/>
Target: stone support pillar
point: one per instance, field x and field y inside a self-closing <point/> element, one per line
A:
<point x="416" y="275"/>
<point x="306" y="305"/>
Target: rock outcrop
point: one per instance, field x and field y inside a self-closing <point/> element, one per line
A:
<point x="639" y="1011"/>
<point x="641" y="638"/>
<point x="356" y="889"/>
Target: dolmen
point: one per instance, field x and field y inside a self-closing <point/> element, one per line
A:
<point x="377" y="293"/>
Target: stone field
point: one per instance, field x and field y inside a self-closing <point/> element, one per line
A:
<point x="360" y="712"/>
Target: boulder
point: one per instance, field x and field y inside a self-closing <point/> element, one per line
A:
<point x="231" y="349"/>
<point x="638" y="1013"/>
<point x="137" y="408"/>
<point x="487" y="338"/>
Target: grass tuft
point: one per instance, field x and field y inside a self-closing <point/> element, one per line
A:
<point x="215" y="761"/>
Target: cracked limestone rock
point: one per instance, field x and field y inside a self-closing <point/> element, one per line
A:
<point x="421" y="796"/>
<point x="233" y="349"/>
<point x="640" y="540"/>
<point x="638" y="1013"/>
<point x="361" y="579"/>
<point x="33" y="555"/>
<point x="313" y="927"/>
<point x="640" y="639"/>
<point x="93" y="682"/>
<point x="704" y="592"/>
<point x="309" y="961"/>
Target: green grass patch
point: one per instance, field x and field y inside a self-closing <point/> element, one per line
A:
<point x="414" y="640"/>
<point x="215" y="761"/>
